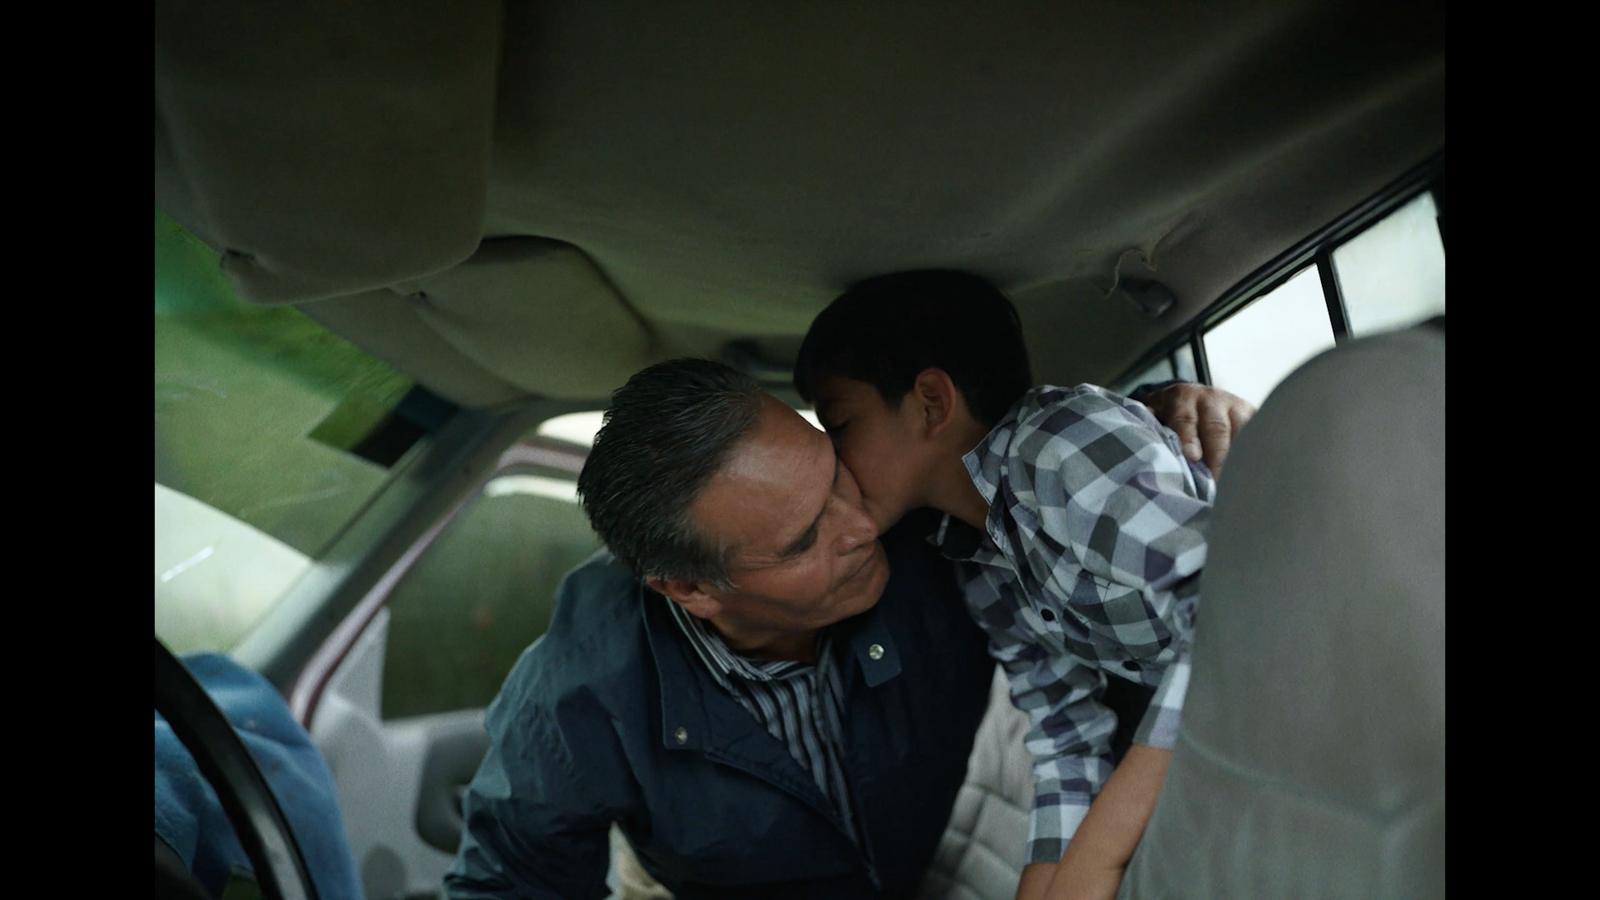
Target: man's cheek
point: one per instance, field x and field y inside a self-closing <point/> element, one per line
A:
<point x="881" y="515"/>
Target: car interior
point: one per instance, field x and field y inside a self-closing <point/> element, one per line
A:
<point x="405" y="251"/>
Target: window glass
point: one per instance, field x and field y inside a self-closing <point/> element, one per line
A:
<point x="1258" y="346"/>
<point x="1155" y="373"/>
<point x="580" y="428"/>
<point x="1392" y="274"/>
<point x="482" y="593"/>
<point x="254" y="402"/>
<point x="257" y="409"/>
<point x="202" y="555"/>
<point x="574" y="428"/>
<point x="1183" y="357"/>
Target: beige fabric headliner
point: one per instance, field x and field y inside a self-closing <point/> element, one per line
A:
<point x="729" y="167"/>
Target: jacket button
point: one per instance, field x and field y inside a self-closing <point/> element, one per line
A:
<point x="875" y="651"/>
<point x="682" y="735"/>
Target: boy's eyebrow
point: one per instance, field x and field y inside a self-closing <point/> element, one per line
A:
<point x="800" y="544"/>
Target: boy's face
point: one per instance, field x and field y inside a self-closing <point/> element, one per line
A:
<point x="879" y="444"/>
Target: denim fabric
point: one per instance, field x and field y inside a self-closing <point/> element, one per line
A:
<point x="190" y="819"/>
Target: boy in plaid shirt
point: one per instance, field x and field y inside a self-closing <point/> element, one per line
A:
<point x="1076" y="522"/>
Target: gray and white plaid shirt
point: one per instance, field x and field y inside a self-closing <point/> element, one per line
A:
<point x="1096" y="529"/>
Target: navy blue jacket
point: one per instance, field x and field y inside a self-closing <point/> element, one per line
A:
<point x="586" y="732"/>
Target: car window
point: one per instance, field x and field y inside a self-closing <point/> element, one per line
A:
<point x="1392" y="275"/>
<point x="485" y="589"/>
<point x="1257" y="347"/>
<point x="1159" y="371"/>
<point x="481" y="593"/>
<point x="215" y="575"/>
<point x="1381" y="267"/>
<point x="579" y="428"/>
<point x="574" y="428"/>
<point x="262" y="417"/>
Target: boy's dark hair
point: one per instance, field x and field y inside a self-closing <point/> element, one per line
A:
<point x="886" y="329"/>
<point x="667" y="431"/>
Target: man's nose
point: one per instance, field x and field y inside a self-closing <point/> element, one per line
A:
<point x="858" y="527"/>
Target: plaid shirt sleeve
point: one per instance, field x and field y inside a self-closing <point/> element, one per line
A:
<point x="1109" y="520"/>
<point x="1070" y="737"/>
<point x="1111" y="496"/>
<point x="1159" y="727"/>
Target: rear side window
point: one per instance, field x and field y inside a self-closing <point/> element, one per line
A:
<point x="482" y="593"/>
<point x="1379" y="268"/>
<point x="1257" y="347"/>
<point x="1392" y="275"/>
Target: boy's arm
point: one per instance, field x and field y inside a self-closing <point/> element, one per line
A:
<point x="1070" y="737"/>
<point x="1094" y="861"/>
<point x="1093" y="864"/>
<point x="1092" y="867"/>
<point x="1115" y="496"/>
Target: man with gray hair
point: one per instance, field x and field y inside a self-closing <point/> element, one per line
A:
<point x="769" y="699"/>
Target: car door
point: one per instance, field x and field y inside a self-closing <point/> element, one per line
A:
<point x="399" y="712"/>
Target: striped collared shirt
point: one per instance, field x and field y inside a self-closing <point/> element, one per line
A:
<point x="798" y="704"/>
<point x="1096" y="528"/>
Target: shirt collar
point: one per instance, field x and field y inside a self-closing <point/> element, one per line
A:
<point x="724" y="664"/>
<point x="986" y="462"/>
<point x="711" y="717"/>
<point x="959" y="541"/>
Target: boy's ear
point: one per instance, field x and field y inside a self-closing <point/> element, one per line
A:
<point x="690" y="595"/>
<point x="938" y="401"/>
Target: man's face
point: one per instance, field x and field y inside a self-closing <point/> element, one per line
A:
<point x="806" y="554"/>
<point x="878" y="443"/>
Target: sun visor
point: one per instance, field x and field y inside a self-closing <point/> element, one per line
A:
<point x="326" y="149"/>
<point x="387" y="326"/>
<point x="539" y="315"/>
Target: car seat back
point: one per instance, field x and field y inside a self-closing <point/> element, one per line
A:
<point x="1310" y="760"/>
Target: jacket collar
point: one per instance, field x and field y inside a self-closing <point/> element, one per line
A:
<point x="696" y="714"/>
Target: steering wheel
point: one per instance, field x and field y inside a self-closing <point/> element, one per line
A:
<point x="221" y="757"/>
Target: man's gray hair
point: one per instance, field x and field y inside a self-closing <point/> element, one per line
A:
<point x="667" y="431"/>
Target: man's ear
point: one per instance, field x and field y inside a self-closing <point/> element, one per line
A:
<point x="690" y="595"/>
<point x="937" y="401"/>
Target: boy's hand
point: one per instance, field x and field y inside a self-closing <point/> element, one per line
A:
<point x="1204" y="418"/>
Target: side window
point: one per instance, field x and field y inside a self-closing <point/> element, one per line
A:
<point x="1379" y="268"/>
<point x="485" y="589"/>
<point x="1258" y="346"/>
<point x="1392" y="274"/>
<point x="1158" y="371"/>
<point x="482" y="593"/>
<point x="1183" y="360"/>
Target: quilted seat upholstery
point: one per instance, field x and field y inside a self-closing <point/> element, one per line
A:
<point x="980" y="856"/>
